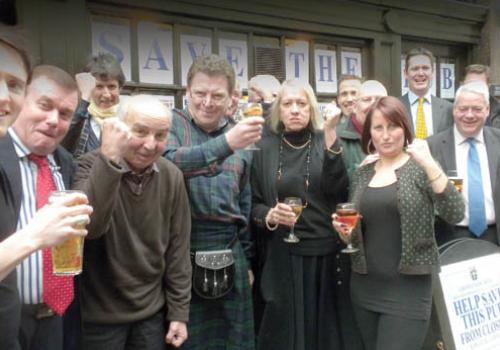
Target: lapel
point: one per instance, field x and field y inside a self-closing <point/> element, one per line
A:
<point x="406" y="101"/>
<point x="66" y="166"/>
<point x="10" y="163"/>
<point x="447" y="151"/>
<point x="437" y="114"/>
<point x="492" y="143"/>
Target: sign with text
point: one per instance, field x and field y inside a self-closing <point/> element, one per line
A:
<point x="471" y="290"/>
<point x="156" y="57"/>
<point x="236" y="53"/>
<point x="113" y="38"/>
<point x="325" y="67"/>
<point x="193" y="46"/>
<point x="297" y="60"/>
<point x="351" y="63"/>
<point x="447" y="78"/>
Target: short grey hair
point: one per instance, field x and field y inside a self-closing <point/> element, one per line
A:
<point x="477" y="87"/>
<point x="148" y="105"/>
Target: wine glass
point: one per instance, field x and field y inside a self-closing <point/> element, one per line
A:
<point x="348" y="215"/>
<point x="249" y="110"/>
<point x="296" y="204"/>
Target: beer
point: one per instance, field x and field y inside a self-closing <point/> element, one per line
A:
<point x="458" y="182"/>
<point x="348" y="217"/>
<point x="297" y="210"/>
<point x="68" y="256"/>
<point x="252" y="110"/>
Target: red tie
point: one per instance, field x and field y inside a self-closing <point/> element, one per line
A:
<point x="57" y="290"/>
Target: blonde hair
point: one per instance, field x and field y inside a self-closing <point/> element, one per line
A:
<point x="315" y="121"/>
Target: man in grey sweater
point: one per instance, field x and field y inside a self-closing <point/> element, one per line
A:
<point x="136" y="281"/>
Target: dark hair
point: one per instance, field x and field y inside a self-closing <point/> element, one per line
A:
<point x="212" y="65"/>
<point x="14" y="39"/>
<point x="394" y="111"/>
<point x="57" y="75"/>
<point x="478" y="69"/>
<point x="419" y="51"/>
<point x="345" y="77"/>
<point x="105" y="66"/>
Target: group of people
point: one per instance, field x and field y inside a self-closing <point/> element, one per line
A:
<point x="165" y="190"/>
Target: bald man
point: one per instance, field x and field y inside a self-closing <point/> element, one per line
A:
<point x="137" y="279"/>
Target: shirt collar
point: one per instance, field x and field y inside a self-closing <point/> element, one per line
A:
<point x="152" y="168"/>
<point x="22" y="151"/>
<point x="460" y="139"/>
<point x="414" y="98"/>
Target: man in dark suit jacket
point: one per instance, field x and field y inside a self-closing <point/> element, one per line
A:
<point x="419" y="70"/>
<point x="451" y="149"/>
<point x="51" y="99"/>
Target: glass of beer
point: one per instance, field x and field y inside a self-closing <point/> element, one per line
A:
<point x="456" y="180"/>
<point x="68" y="256"/>
<point x="296" y="204"/>
<point x="249" y="110"/>
<point x="348" y="215"/>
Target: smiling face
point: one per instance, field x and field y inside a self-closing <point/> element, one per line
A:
<point x="45" y="115"/>
<point x="208" y="99"/>
<point x="106" y="93"/>
<point x="295" y="109"/>
<point x="13" y="77"/>
<point x="148" y="139"/>
<point x="419" y="74"/>
<point x="348" y="95"/>
<point x="470" y="113"/>
<point x="387" y="137"/>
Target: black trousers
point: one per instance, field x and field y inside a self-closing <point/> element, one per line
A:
<point x="40" y="333"/>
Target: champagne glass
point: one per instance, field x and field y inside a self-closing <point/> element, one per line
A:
<point x="296" y="204"/>
<point x="456" y="180"/>
<point x="348" y="215"/>
<point x="249" y="110"/>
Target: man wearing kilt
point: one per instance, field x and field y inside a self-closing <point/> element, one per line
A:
<point x="208" y="148"/>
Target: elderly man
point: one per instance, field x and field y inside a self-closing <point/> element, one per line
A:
<point x="471" y="149"/>
<point x="137" y="277"/>
<point x="482" y="73"/>
<point x="428" y="114"/>
<point x="207" y="148"/>
<point x="35" y="165"/>
<point x="347" y="95"/>
<point x="99" y="86"/>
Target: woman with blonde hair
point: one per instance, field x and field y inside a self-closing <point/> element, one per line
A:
<point x="304" y="282"/>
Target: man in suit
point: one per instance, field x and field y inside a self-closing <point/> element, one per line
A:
<point x="428" y="114"/>
<point x="471" y="149"/>
<point x="482" y="73"/>
<point x="29" y="151"/>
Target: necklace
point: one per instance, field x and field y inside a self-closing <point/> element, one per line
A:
<point x="308" y="162"/>
<point x="296" y="147"/>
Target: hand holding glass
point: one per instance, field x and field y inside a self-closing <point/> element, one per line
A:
<point x="455" y="180"/>
<point x="348" y="215"/>
<point x="296" y="204"/>
<point x="67" y="257"/>
<point x="249" y="110"/>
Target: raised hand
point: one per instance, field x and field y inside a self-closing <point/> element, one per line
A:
<point x="86" y="83"/>
<point x="114" y="139"/>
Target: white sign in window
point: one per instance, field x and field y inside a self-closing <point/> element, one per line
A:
<point x="193" y="46"/>
<point x="297" y="60"/>
<point x="236" y="53"/>
<point x="113" y="38"/>
<point x="325" y="64"/>
<point x="351" y="63"/>
<point x="447" y="79"/>
<point x="156" y="58"/>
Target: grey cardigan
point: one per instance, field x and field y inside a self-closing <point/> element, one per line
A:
<point x="417" y="204"/>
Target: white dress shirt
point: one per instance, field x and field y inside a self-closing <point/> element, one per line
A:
<point x="461" y="157"/>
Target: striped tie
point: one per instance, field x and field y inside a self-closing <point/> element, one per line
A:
<point x="421" y="128"/>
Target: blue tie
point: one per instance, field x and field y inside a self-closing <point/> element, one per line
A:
<point x="477" y="212"/>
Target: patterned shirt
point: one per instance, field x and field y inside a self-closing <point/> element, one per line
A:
<point x="29" y="272"/>
<point x="217" y="178"/>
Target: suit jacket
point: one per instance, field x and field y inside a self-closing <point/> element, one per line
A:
<point x="11" y="193"/>
<point x="442" y="113"/>
<point x="442" y="147"/>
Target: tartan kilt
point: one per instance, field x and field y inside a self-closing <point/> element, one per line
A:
<point x="225" y="323"/>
